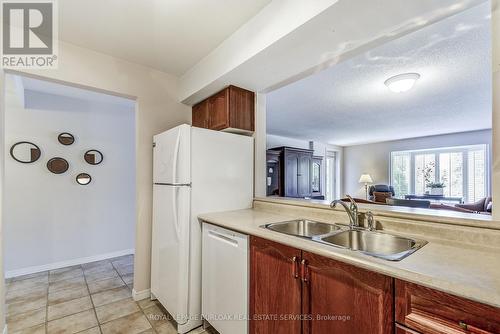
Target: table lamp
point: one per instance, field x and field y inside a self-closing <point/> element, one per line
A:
<point x="366" y="178"/>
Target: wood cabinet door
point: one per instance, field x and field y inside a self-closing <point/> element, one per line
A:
<point x="218" y="110"/>
<point x="403" y="330"/>
<point x="275" y="288"/>
<point x="429" y="311"/>
<point x="304" y="175"/>
<point x="291" y="174"/>
<point x="340" y="298"/>
<point x="241" y="108"/>
<point x="200" y="115"/>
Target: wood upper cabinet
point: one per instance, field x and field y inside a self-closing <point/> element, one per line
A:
<point x="231" y="108"/>
<point x="341" y="298"/>
<point x="429" y="311"/>
<point x="331" y="296"/>
<point x="275" y="288"/>
<point x="200" y="115"/>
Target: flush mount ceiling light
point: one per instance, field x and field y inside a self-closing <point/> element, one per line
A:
<point x="402" y="82"/>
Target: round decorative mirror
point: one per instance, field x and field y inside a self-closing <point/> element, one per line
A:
<point x="93" y="157"/>
<point x="66" y="138"/>
<point x="25" y="152"/>
<point x="57" y="165"/>
<point x="83" y="179"/>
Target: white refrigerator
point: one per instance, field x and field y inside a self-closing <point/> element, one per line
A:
<point x="194" y="171"/>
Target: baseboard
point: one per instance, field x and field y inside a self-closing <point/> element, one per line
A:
<point x="140" y="295"/>
<point x="62" y="264"/>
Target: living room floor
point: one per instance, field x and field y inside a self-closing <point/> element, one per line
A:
<point x="90" y="298"/>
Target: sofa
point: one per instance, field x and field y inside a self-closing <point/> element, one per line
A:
<point x="483" y="206"/>
<point x="380" y="192"/>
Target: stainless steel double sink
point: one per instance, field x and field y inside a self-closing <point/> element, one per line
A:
<point x="378" y="244"/>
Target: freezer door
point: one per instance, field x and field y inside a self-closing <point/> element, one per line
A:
<point x="171" y="156"/>
<point x="170" y="249"/>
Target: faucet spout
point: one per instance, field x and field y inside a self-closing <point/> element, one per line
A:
<point x="351" y="210"/>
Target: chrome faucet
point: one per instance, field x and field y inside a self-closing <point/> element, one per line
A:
<point x="370" y="221"/>
<point x="352" y="210"/>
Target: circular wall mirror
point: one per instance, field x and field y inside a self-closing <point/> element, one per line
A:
<point x="93" y="157"/>
<point x="66" y="138"/>
<point x="83" y="179"/>
<point x="25" y="152"/>
<point x="57" y="165"/>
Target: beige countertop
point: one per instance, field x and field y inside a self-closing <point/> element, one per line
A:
<point x="464" y="271"/>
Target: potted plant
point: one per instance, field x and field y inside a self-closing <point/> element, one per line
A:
<point x="436" y="188"/>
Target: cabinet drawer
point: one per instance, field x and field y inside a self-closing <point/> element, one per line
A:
<point x="429" y="311"/>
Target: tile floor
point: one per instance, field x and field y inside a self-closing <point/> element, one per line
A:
<point x="89" y="299"/>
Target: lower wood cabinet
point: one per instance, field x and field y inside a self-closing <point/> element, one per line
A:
<point x="341" y="298"/>
<point x="275" y="288"/>
<point x="429" y="311"/>
<point x="292" y="291"/>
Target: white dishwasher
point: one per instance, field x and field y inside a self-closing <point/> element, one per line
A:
<point x="225" y="279"/>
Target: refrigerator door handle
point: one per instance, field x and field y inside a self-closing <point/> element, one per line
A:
<point x="174" y="209"/>
<point x="176" y="156"/>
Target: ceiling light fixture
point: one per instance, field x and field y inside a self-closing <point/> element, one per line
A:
<point x="402" y="82"/>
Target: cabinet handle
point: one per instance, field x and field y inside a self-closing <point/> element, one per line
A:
<point x="295" y="267"/>
<point x="303" y="271"/>
<point x="471" y="329"/>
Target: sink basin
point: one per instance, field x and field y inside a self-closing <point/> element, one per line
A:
<point x="382" y="245"/>
<point x="302" y="228"/>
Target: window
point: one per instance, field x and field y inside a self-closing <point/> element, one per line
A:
<point x="463" y="170"/>
<point x="331" y="175"/>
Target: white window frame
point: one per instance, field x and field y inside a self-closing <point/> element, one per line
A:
<point x="436" y="151"/>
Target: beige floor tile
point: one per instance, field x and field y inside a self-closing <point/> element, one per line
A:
<point x="29" y="303"/>
<point x="130" y="324"/>
<point x="62" y="296"/>
<point x="123" y="260"/>
<point x="28" y="284"/>
<point x="157" y="317"/>
<point x="107" y="284"/>
<point x="145" y="303"/>
<point x="15" y="296"/>
<point x="110" y="296"/>
<point x="58" y="276"/>
<point x="34" y="275"/>
<point x="94" y="264"/>
<point x="116" y="310"/>
<point x="100" y="275"/>
<point x="166" y="328"/>
<point x="39" y="329"/>
<point x="124" y="270"/>
<point x="65" y="269"/>
<point x="70" y="283"/>
<point x="68" y="308"/>
<point x="25" y="320"/>
<point x="102" y="266"/>
<point x="73" y="323"/>
<point x="128" y="278"/>
<point x="94" y="330"/>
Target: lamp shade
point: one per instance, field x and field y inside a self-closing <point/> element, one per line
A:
<point x="365" y="178"/>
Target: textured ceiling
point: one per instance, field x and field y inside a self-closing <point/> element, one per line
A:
<point x="349" y="104"/>
<point x="169" y="35"/>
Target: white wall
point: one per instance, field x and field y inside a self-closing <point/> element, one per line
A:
<point x="374" y="159"/>
<point x="67" y="221"/>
